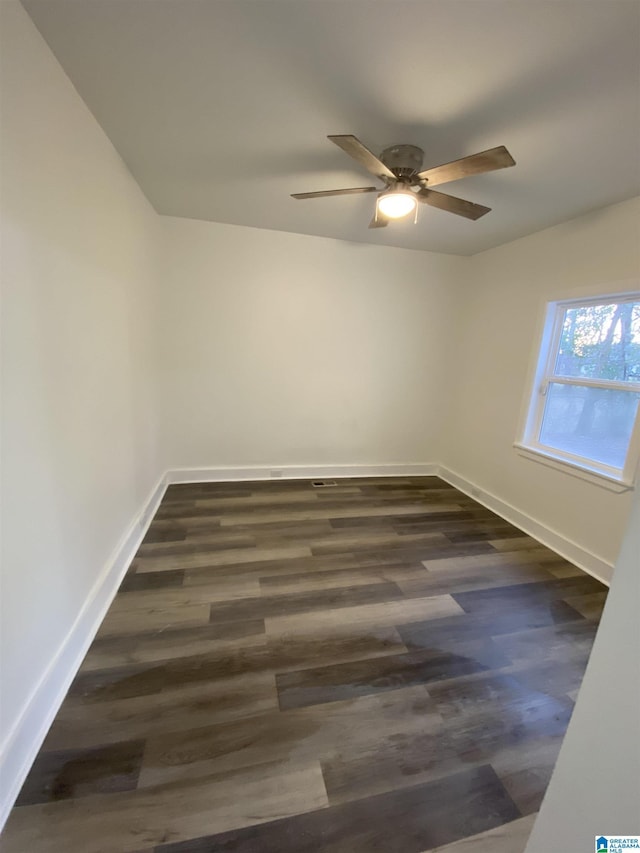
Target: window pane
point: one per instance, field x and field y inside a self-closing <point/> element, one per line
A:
<point x="601" y="342"/>
<point x="590" y="422"/>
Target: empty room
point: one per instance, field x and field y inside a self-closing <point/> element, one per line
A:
<point x="320" y="430"/>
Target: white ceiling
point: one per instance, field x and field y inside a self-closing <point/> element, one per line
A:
<point x="221" y="108"/>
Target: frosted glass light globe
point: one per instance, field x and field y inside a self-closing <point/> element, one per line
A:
<point x="396" y="204"/>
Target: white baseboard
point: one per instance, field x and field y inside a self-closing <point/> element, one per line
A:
<point x="25" y="737"/>
<point x="576" y="554"/>
<point x="298" y="472"/>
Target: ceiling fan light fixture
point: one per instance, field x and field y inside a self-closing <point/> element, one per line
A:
<point x="399" y="167"/>
<point x="396" y="202"/>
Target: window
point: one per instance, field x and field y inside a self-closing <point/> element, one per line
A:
<point x="584" y="407"/>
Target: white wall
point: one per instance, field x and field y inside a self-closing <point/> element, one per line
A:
<point x="595" y="787"/>
<point x="500" y="319"/>
<point x="79" y="427"/>
<point x="282" y="349"/>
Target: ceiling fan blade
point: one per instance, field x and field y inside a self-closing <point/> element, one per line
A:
<point x="475" y="164"/>
<point x="379" y="221"/>
<point x="354" y="148"/>
<point x="349" y="191"/>
<point x="452" y="204"/>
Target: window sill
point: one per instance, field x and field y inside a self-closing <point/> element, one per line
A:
<point x="590" y="475"/>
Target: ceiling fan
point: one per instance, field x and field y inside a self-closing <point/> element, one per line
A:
<point x="406" y="184"/>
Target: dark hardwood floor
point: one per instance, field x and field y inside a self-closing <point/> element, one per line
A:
<point x="380" y="665"/>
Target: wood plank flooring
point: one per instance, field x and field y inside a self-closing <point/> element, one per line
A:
<point x="380" y="665"/>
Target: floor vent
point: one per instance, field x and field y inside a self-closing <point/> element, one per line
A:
<point x="322" y="484"/>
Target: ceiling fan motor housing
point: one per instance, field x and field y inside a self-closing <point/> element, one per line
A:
<point x="403" y="160"/>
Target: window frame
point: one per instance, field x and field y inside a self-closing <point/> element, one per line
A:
<point x="529" y="445"/>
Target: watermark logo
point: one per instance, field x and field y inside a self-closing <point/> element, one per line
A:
<point x="617" y="843"/>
